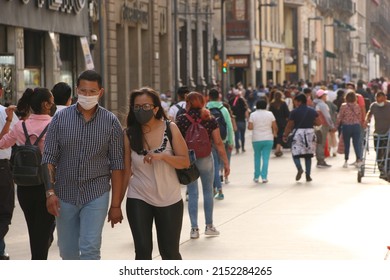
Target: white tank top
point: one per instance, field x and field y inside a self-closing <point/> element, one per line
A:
<point x="157" y="183"/>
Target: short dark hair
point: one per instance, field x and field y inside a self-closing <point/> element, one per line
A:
<point x="182" y="91"/>
<point x="213" y="94"/>
<point x="61" y="92"/>
<point x="92" y="76"/>
<point x="301" y="98"/>
<point x="307" y="90"/>
<point x="261" y="104"/>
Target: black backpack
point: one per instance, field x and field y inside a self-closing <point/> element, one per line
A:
<point x="181" y="110"/>
<point x="217" y="113"/>
<point x="26" y="161"/>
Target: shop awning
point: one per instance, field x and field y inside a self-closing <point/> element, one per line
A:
<point x="376" y="43"/>
<point x="330" y="54"/>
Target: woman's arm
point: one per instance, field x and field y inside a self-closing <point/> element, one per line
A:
<point x="180" y="159"/>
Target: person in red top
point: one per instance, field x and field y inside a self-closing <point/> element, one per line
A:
<point x="350" y="120"/>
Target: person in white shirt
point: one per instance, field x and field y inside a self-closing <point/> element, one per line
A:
<point x="180" y="105"/>
<point x="264" y="129"/>
<point x="7" y="189"/>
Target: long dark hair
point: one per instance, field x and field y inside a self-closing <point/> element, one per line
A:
<point x="134" y="129"/>
<point x="32" y="100"/>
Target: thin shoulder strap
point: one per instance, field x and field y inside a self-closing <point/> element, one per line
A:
<point x="28" y="142"/>
<point x="41" y="135"/>
<point x="191" y="119"/>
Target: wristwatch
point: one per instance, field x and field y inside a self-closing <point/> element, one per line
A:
<point x="49" y="193"/>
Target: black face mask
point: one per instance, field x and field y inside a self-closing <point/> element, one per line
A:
<point x="53" y="109"/>
<point x="144" y="116"/>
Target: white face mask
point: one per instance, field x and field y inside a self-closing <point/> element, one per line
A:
<point x="88" y="102"/>
<point x="380" y="104"/>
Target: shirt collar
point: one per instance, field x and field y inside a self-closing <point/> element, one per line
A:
<point x="39" y="117"/>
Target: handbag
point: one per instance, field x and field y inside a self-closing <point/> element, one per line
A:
<point x="291" y="135"/>
<point x="185" y="175"/>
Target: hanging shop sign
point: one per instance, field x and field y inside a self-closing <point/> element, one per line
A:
<point x="61" y="16"/>
<point x="238" y="61"/>
<point x="134" y="13"/>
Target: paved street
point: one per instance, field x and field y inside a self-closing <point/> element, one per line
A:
<point x="331" y="218"/>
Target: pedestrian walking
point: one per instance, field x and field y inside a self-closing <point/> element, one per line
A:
<point x="7" y="189"/>
<point x="264" y="130"/>
<point x="195" y="105"/>
<point x="83" y="156"/>
<point x="153" y="189"/>
<point x="32" y="199"/>
<point x="300" y="124"/>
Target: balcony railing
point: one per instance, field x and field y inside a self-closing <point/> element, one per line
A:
<point x="237" y="29"/>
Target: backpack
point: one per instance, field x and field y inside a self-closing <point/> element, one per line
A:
<point x="26" y="161"/>
<point x="197" y="138"/>
<point x="181" y="110"/>
<point x="217" y="113"/>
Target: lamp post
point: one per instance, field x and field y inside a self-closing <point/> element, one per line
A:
<point x="271" y="4"/>
<point x="309" y="49"/>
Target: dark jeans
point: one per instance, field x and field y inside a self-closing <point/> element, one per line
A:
<point x="32" y="200"/>
<point x="352" y="131"/>
<point x="7" y="199"/>
<point x="380" y="144"/>
<point x="297" y="162"/>
<point x="240" y="134"/>
<point x="168" y="222"/>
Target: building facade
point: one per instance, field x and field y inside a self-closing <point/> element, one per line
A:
<point x="41" y="43"/>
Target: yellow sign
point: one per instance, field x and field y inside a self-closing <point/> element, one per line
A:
<point x="290" y="68"/>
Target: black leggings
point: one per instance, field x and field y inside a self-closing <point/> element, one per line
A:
<point x="40" y="223"/>
<point x="168" y="222"/>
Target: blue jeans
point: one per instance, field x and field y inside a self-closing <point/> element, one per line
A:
<point x="262" y="150"/>
<point x="240" y="135"/>
<point x="80" y="227"/>
<point x="217" y="180"/>
<point x="297" y="162"/>
<point x="352" y="131"/>
<point x="206" y="170"/>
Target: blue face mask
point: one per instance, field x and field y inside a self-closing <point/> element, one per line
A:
<point x="144" y="117"/>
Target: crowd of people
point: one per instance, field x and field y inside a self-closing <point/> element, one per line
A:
<point x="91" y="162"/>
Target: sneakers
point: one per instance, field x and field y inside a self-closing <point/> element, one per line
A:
<point x="323" y="164"/>
<point x="219" y="196"/>
<point x="358" y="164"/>
<point x="345" y="165"/>
<point x="308" y="178"/>
<point x="227" y="180"/>
<point x="211" y="230"/>
<point x="194" y="234"/>
<point x="299" y="175"/>
<point x="256" y="180"/>
<point x="265" y="181"/>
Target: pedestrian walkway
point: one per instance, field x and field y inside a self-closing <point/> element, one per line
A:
<point x="331" y="218"/>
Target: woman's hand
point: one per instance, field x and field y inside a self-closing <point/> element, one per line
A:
<point x="115" y="215"/>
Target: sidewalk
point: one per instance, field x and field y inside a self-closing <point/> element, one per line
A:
<point x="331" y="218"/>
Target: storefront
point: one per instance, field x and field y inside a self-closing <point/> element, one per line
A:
<point x="41" y="44"/>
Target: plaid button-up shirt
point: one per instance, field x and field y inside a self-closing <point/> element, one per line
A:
<point x="84" y="153"/>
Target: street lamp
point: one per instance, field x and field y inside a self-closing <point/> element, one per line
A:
<point x="271" y="4"/>
<point x="309" y="49"/>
